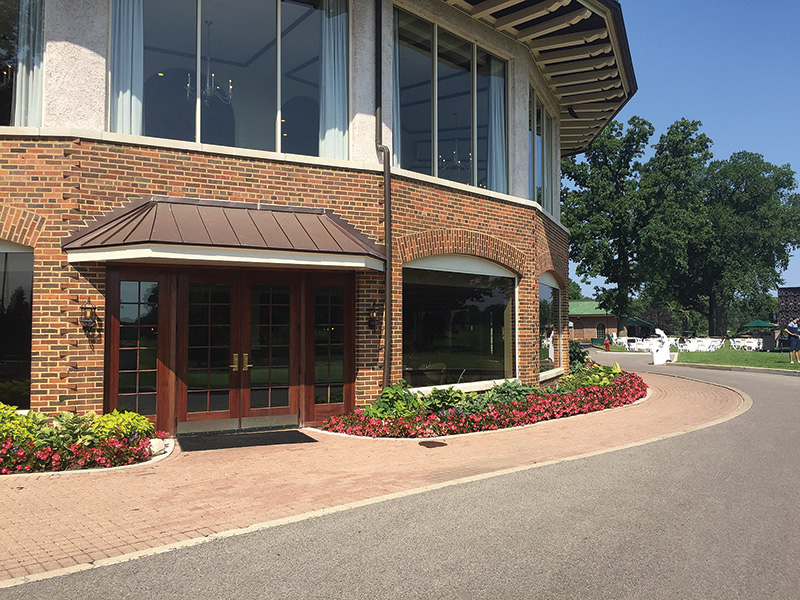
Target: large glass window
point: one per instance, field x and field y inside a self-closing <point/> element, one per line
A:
<point x="549" y="326"/>
<point x="457" y="327"/>
<point x="21" y="54"/>
<point x="449" y="113"/>
<point x="542" y="149"/>
<point x="225" y="86"/>
<point x="16" y="320"/>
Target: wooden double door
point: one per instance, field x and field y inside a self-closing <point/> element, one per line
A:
<point x="236" y="349"/>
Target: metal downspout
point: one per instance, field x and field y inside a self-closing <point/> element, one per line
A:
<point x="387" y="194"/>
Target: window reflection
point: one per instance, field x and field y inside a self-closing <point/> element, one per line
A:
<point x="469" y="141"/>
<point x="457" y="327"/>
<point x="549" y="327"/>
<point x="16" y="319"/>
<point x="162" y="77"/>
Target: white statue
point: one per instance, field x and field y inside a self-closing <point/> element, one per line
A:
<point x="660" y="348"/>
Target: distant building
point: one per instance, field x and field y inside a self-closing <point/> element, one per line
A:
<point x="590" y="321"/>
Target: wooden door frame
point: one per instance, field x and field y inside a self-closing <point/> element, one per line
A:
<point x="292" y="280"/>
<point x="313" y="414"/>
<point x="172" y="356"/>
<point x="164" y="419"/>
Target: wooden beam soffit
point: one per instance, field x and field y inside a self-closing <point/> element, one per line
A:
<point x="576" y="53"/>
<point x="570" y="39"/>
<point x="592" y="64"/>
<point x="554" y="24"/>
<point x="584" y="77"/>
<point x="483" y="9"/>
<point x="528" y="14"/>
<point x="595" y="97"/>
<point x="585" y="88"/>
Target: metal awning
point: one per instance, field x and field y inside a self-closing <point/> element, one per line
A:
<point x="167" y="230"/>
<point x="581" y="48"/>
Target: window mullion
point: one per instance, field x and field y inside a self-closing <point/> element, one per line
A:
<point x="473" y="156"/>
<point x="278" y="75"/>
<point x="435" y="102"/>
<point x="198" y="72"/>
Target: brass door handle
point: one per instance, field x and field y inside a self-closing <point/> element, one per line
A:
<point x="245" y="364"/>
<point x="235" y="364"/>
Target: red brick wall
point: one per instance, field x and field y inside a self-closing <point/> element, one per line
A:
<point x="52" y="186"/>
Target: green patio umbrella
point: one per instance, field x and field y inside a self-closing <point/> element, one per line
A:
<point x="637" y="322"/>
<point x="759" y="323"/>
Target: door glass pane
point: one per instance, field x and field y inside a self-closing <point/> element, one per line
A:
<point x="329" y="335"/>
<point x="138" y="351"/>
<point x="269" y="352"/>
<point x="454" y="76"/>
<point x="208" y="374"/>
<point x="16" y="320"/>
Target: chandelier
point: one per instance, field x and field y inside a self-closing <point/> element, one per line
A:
<point x="210" y="89"/>
<point x="6" y="76"/>
<point x="455" y="163"/>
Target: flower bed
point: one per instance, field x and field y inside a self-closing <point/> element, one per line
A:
<point x="623" y="389"/>
<point x="32" y="442"/>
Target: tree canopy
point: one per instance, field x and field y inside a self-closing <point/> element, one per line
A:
<point x="687" y="232"/>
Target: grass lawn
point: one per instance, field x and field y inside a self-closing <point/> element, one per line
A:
<point x="739" y="358"/>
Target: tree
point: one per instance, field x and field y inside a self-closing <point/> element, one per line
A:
<point x="755" y="226"/>
<point x="604" y="211"/>
<point x="673" y="186"/>
<point x="574" y="290"/>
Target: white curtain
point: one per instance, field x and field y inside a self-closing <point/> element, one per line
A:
<point x="127" y="67"/>
<point x="30" y="50"/>
<point x="496" y="138"/>
<point x="333" y="113"/>
<point x="397" y="130"/>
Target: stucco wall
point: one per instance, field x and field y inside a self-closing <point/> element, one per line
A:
<point x="75" y="63"/>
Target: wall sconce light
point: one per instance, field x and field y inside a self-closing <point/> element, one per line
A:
<point x="88" y="317"/>
<point x="374" y="321"/>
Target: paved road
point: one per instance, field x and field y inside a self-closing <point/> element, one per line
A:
<point x="708" y="514"/>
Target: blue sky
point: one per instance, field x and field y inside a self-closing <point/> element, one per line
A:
<point x="733" y="65"/>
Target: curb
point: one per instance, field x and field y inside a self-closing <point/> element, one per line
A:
<point x="784" y="372"/>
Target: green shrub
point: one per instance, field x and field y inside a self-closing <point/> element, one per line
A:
<point x="596" y="375"/>
<point x="397" y="401"/>
<point x="124" y="424"/>
<point x="472" y="404"/>
<point x="17" y="427"/>
<point x="509" y="391"/>
<point x="443" y="398"/>
<point x="577" y="354"/>
<point x="67" y="429"/>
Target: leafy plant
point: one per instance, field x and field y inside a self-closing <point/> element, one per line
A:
<point x="509" y="391"/>
<point x="397" y="401"/>
<point x="472" y="404"/>
<point x="31" y="442"/>
<point x="124" y="424"/>
<point x="443" y="398"/>
<point x="577" y="354"/>
<point x="596" y="375"/>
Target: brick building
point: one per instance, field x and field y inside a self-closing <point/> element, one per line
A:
<point x="214" y="212"/>
<point x="590" y="321"/>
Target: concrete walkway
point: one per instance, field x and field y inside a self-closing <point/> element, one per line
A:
<point x="61" y="522"/>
